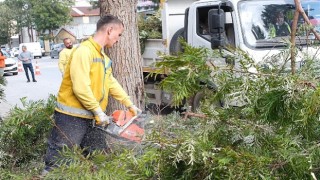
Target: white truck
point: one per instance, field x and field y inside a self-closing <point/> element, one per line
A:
<point x="244" y="24"/>
<point x="33" y="47"/>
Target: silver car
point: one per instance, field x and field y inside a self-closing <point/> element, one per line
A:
<point x="55" y="50"/>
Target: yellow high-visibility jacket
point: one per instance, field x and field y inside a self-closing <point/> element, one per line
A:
<point x="88" y="81"/>
<point x="63" y="59"/>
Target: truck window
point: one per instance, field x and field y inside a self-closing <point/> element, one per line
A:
<point x="202" y="22"/>
<point x="203" y="25"/>
<point x="268" y="23"/>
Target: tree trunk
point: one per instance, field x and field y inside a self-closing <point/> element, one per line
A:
<point x="125" y="55"/>
<point x="29" y="34"/>
<point x="293" y="41"/>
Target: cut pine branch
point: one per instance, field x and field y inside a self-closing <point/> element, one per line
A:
<point x="187" y="114"/>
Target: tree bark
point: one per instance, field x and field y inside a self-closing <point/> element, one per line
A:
<point x="125" y="55"/>
<point x="293" y="41"/>
<point x="305" y="17"/>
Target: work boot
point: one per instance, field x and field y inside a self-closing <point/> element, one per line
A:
<point x="28" y="81"/>
<point x="34" y="80"/>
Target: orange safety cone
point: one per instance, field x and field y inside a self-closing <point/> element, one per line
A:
<point x="20" y="69"/>
<point x="37" y="69"/>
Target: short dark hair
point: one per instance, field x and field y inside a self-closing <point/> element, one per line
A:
<point x="108" y="19"/>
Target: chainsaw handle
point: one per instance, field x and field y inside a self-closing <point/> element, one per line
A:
<point x="94" y="122"/>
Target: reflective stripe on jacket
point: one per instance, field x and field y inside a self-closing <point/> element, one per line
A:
<point x="88" y="81"/>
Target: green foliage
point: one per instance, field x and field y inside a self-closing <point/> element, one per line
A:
<point x="6" y="23"/>
<point x="267" y="129"/>
<point x="24" y="131"/>
<point x="215" y="148"/>
<point x="149" y="28"/>
<point x="21" y="10"/>
<point x="50" y="14"/>
<point x="40" y="14"/>
<point x="3" y="82"/>
<point x="188" y="71"/>
<point x="122" y="164"/>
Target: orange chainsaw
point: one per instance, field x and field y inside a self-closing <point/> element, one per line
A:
<point x="125" y="125"/>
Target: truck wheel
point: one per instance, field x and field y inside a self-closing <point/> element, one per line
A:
<point x="175" y="45"/>
<point x="197" y="100"/>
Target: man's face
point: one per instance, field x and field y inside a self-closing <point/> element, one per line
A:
<point x="24" y="49"/>
<point x="68" y="43"/>
<point x="280" y="19"/>
<point x="113" y="34"/>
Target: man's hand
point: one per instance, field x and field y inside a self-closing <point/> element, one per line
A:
<point x="101" y="118"/>
<point x="134" y="110"/>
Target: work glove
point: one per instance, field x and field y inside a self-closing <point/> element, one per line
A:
<point x="100" y="117"/>
<point x="134" y="110"/>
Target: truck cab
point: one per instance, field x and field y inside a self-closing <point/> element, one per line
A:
<point x="261" y="28"/>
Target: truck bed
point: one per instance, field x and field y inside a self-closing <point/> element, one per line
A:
<point x="150" y="55"/>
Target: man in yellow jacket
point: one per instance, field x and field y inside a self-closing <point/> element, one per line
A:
<point x="84" y="91"/>
<point x="65" y="54"/>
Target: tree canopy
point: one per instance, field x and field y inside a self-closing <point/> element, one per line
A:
<point x="50" y="14"/>
<point x="6" y="23"/>
<point x="42" y="15"/>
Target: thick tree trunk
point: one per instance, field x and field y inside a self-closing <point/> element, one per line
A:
<point x="125" y="55"/>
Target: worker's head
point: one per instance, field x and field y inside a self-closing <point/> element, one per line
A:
<point x="24" y="48"/>
<point x="1" y="54"/>
<point x="279" y="18"/>
<point x="67" y="43"/>
<point x="110" y="28"/>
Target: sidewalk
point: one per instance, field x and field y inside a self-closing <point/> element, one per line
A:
<point x="4" y="108"/>
<point x="17" y="87"/>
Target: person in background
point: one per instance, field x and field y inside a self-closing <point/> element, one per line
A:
<point x="280" y="26"/>
<point x="2" y="63"/>
<point x="65" y="54"/>
<point x="84" y="92"/>
<point x="26" y="58"/>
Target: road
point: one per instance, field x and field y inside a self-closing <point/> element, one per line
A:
<point x="17" y="87"/>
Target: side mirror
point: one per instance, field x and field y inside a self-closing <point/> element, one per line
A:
<point x="217" y="20"/>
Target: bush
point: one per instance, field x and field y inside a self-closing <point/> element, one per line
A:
<point x="24" y="131"/>
<point x="149" y="28"/>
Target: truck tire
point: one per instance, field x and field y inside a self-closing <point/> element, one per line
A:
<point x="175" y="45"/>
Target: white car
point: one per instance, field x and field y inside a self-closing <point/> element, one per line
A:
<point x="15" y="51"/>
<point x="11" y="64"/>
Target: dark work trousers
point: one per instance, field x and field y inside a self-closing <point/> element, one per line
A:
<point x="30" y="67"/>
<point x="72" y="131"/>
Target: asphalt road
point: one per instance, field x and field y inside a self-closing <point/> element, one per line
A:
<point x="17" y="87"/>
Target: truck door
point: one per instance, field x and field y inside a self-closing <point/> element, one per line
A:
<point x="201" y="36"/>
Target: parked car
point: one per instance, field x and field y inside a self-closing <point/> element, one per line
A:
<point x="15" y="51"/>
<point x="11" y="64"/>
<point x="55" y="50"/>
<point x="5" y="50"/>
